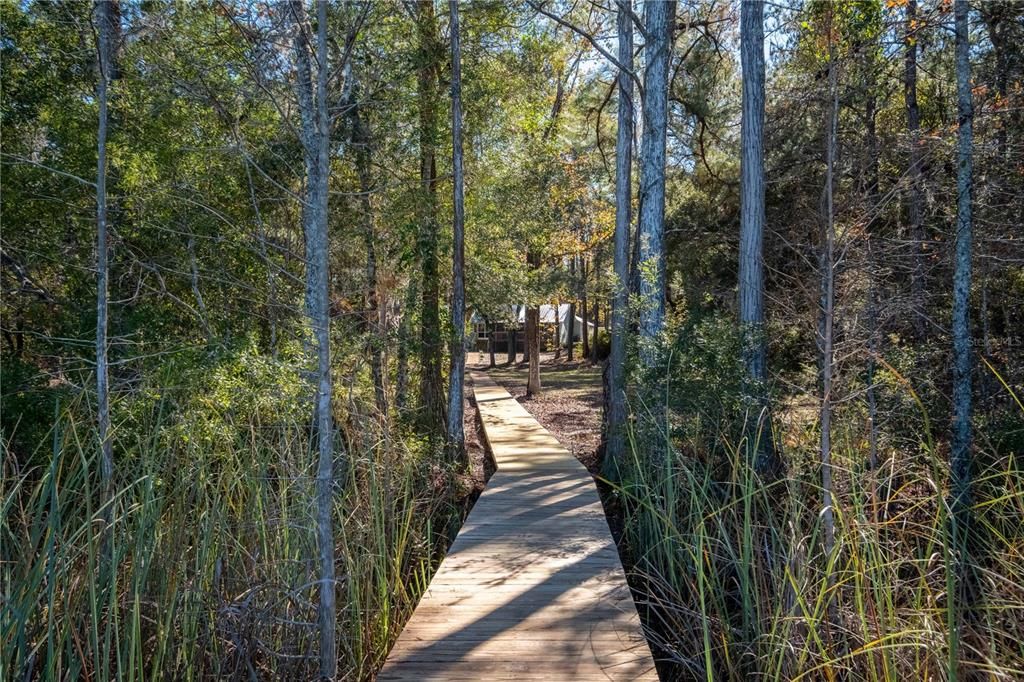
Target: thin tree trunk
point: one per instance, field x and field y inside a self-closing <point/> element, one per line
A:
<point x="558" y="330"/>
<point x="313" y="109"/>
<point x="659" y="18"/>
<point x="871" y="173"/>
<point x="596" y="307"/>
<point x="527" y="352"/>
<point x="871" y="125"/>
<point x="960" y="452"/>
<point x="985" y="389"/>
<point x="752" y="219"/>
<point x="826" y="325"/>
<point x="491" y="342"/>
<point x="615" y="420"/>
<point x="106" y="17"/>
<point x="456" y="437"/>
<point x="361" y="145"/>
<point x="873" y="348"/>
<point x="404" y="337"/>
<point x="570" y="322"/>
<point x="917" y="288"/>
<point x="533" y="348"/>
<point x="511" y="337"/>
<point x="193" y="268"/>
<point x="634" y="263"/>
<point x="584" y="314"/>
<point x="431" y="383"/>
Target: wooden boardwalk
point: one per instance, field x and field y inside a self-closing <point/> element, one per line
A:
<point x="532" y="588"/>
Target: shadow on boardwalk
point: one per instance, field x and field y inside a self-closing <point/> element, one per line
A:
<point x="532" y="588"/>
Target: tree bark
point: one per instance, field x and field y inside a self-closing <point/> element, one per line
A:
<point x="960" y="452"/>
<point x="490" y="343"/>
<point x="511" y="336"/>
<point x="315" y="132"/>
<point x="615" y="420"/>
<point x="596" y="306"/>
<point x="456" y="437"/>
<point x="558" y="329"/>
<point x="659" y="18"/>
<point x="827" y="320"/>
<point x="752" y="219"/>
<point x="873" y="349"/>
<point x="571" y="312"/>
<point x="533" y="348"/>
<point x="106" y="17"/>
<point x="584" y="313"/>
<point x="431" y="383"/>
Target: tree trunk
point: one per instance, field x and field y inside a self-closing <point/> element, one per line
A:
<point x="490" y="342"/>
<point x="315" y="133"/>
<point x="558" y="330"/>
<point x="827" y="320"/>
<point x="106" y="17"/>
<point x="533" y="348"/>
<point x="596" y="307"/>
<point x="960" y="452"/>
<point x="431" y="383"/>
<point x="615" y="419"/>
<point x="193" y="267"/>
<point x="873" y="348"/>
<point x="659" y="18"/>
<point x="871" y="189"/>
<point x="584" y="313"/>
<point x="527" y="354"/>
<point x="457" y="369"/>
<point x="751" y="266"/>
<point x="360" y="140"/>
<point x="917" y="289"/>
<point x="511" y="338"/>
<point x="570" y="322"/>
<point x="570" y="327"/>
<point x="404" y="334"/>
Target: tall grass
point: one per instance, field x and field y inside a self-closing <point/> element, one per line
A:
<point x="735" y="582"/>
<point x="213" y="540"/>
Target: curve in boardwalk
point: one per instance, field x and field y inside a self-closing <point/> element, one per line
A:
<point x="532" y="588"/>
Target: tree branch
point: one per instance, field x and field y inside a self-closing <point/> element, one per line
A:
<point x="539" y="7"/>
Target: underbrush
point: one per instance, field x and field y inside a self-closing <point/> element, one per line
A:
<point x="213" y="534"/>
<point x="733" y="578"/>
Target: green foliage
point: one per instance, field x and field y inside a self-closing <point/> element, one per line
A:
<point x="736" y="583"/>
<point x="213" y="535"/>
<point x="28" y="401"/>
<point x="604" y="344"/>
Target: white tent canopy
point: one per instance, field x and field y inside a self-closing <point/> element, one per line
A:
<point x="549" y="314"/>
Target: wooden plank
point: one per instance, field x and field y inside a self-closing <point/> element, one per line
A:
<point x="532" y="588"/>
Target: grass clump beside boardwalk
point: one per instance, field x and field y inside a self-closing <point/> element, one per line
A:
<point x="212" y="535"/>
<point x="732" y="568"/>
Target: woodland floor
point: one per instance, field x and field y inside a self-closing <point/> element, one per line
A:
<point x="481" y="464"/>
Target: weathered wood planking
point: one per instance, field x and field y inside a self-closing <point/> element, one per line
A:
<point x="532" y="588"/>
